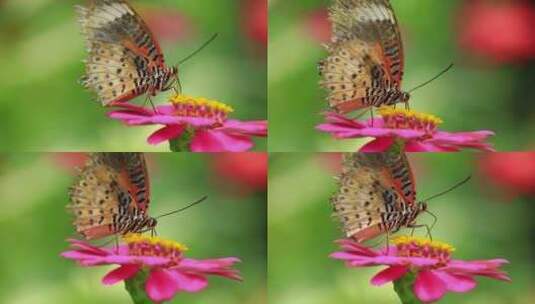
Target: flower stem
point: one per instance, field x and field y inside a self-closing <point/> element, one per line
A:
<point x="182" y="143"/>
<point x="403" y="288"/>
<point x="135" y="287"/>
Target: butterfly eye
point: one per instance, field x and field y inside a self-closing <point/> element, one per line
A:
<point x="405" y="97"/>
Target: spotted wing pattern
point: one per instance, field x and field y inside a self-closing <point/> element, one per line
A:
<point x="111" y="195"/>
<point x="365" y="63"/>
<point x="125" y="60"/>
<point x="376" y="194"/>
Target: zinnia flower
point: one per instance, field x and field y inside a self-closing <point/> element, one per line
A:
<point x="203" y="123"/>
<point x="419" y="131"/>
<point x="169" y="272"/>
<point x="430" y="261"/>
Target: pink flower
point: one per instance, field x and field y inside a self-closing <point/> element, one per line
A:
<point x="512" y="174"/>
<point x="318" y="26"/>
<point x="169" y="25"/>
<point x="254" y="21"/>
<point x="247" y="171"/>
<point x="169" y="271"/>
<point x="436" y="272"/>
<point x="419" y="131"/>
<point x="206" y="121"/>
<point x="502" y="31"/>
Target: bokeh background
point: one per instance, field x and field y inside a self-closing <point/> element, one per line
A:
<point x="491" y="43"/>
<point x="43" y="108"/>
<point x="490" y="216"/>
<point x="34" y="225"/>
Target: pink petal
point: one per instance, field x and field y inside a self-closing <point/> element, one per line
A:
<point x="417" y="146"/>
<point x="126" y="106"/>
<point x="161" y="285"/>
<point x="337" y="119"/>
<point x="428" y="287"/>
<point x="380" y="144"/>
<point x="253" y="128"/>
<point x="165" y="134"/>
<point x="475" y="265"/>
<point x="125" y="116"/>
<point x="353" y="246"/>
<point x="388" y="275"/>
<point x="88" y="247"/>
<point x="218" y="141"/>
<point x="335" y="129"/>
<point x="119" y="274"/>
<point x="189" y="282"/>
<point x="456" y="283"/>
<point x="208" y="264"/>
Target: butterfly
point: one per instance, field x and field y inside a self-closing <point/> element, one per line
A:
<point x="111" y="196"/>
<point x="376" y="195"/>
<point x="125" y="60"/>
<point x="365" y="64"/>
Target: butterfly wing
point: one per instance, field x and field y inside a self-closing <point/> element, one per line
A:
<point x="109" y="190"/>
<point x="132" y="175"/>
<point x="122" y="50"/>
<point x="367" y="201"/>
<point x="365" y="61"/>
<point x="398" y="172"/>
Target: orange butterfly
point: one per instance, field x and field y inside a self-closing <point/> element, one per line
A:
<point x="111" y="196"/>
<point x="365" y="63"/>
<point x="125" y="60"/>
<point x="376" y="195"/>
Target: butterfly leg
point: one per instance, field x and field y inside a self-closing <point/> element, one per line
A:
<point x="427" y="228"/>
<point x="371" y="114"/>
<point x="378" y="243"/>
<point x="387" y="242"/>
<point x="151" y="103"/>
<point x="116" y="244"/>
<point x="407" y="106"/>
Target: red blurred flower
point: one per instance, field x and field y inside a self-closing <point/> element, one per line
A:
<point x="168" y="24"/>
<point x="512" y="172"/>
<point x="248" y="170"/>
<point x="69" y="161"/>
<point x="318" y="25"/>
<point x="255" y="21"/>
<point x="502" y="31"/>
<point x="331" y="161"/>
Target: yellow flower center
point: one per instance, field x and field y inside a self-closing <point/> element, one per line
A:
<point x="408" y="246"/>
<point x="408" y="119"/>
<point x="141" y="245"/>
<point x="200" y="107"/>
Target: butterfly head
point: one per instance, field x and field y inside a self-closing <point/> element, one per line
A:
<point x="151" y="223"/>
<point x="172" y="76"/>
<point x="404" y="97"/>
<point x="422" y="206"/>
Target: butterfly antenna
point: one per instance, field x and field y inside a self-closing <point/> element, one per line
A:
<point x="184" y="208"/>
<point x="199" y="49"/>
<point x="450" y="189"/>
<point x="432" y="79"/>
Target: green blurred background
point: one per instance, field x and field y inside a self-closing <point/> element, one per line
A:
<point x="34" y="226"/>
<point x="479" y="223"/>
<point x="43" y="108"/>
<point x="474" y="95"/>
